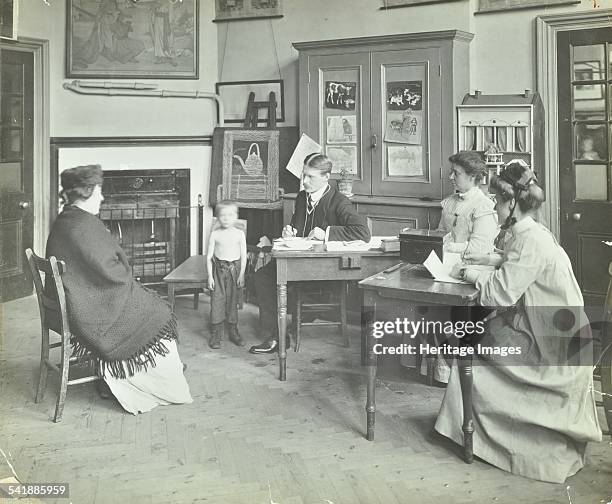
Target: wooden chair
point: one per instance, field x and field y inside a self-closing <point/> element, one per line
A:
<point x="308" y="302"/>
<point x="605" y="359"/>
<point x="53" y="317"/>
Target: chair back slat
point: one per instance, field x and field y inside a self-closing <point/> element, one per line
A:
<point x="51" y="295"/>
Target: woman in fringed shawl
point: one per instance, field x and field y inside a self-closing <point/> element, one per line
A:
<point x="535" y="413"/>
<point x="127" y="330"/>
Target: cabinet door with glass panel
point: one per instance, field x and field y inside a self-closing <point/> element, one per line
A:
<point x="406" y="135"/>
<point x="339" y="113"/>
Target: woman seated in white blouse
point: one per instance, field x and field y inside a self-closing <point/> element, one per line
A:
<point x="469" y="218"/>
<point x="534" y="414"/>
<point x="468" y="214"/>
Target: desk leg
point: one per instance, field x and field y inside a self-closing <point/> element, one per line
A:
<point x="466" y="379"/>
<point x="367" y="318"/>
<point x="171" y="295"/>
<point x="281" y="290"/>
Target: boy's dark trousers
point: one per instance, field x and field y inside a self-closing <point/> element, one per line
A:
<point x="226" y="295"/>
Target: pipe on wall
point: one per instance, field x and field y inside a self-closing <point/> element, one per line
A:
<point x="137" y="89"/>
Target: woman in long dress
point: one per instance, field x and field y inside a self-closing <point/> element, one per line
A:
<point x="128" y="331"/>
<point x="533" y="414"/>
<point x="469" y="219"/>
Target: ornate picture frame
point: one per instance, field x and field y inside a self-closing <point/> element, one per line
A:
<point x="148" y="39"/>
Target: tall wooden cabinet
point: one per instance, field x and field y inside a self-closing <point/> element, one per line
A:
<point x="384" y="109"/>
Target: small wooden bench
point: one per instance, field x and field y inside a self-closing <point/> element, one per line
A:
<point x="191" y="274"/>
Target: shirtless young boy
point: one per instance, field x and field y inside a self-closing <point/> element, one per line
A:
<point x="225" y="262"/>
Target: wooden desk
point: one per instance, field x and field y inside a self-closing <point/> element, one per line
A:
<point x="191" y="274"/>
<point x="298" y="266"/>
<point x="412" y="285"/>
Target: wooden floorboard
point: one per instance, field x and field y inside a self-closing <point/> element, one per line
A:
<point x="248" y="438"/>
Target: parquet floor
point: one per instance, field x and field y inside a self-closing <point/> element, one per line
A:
<point x="248" y="438"/>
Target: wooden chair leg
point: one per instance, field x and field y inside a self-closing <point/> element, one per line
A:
<point x="298" y="319"/>
<point x="65" y="370"/>
<point x="343" y="331"/>
<point x="43" y="371"/>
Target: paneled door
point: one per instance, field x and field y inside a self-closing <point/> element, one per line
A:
<point x="585" y="155"/>
<point x="16" y="171"/>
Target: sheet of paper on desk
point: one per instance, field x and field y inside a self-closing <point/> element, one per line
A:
<point x="439" y="270"/>
<point x="356" y="245"/>
<point x="305" y="146"/>
<point x="294" y="243"/>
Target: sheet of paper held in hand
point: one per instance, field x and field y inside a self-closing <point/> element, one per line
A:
<point x="439" y="270"/>
<point x="305" y="146"/>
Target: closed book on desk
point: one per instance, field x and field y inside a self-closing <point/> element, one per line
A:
<point x="417" y="244"/>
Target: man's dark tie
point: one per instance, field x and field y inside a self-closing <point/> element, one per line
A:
<point x="310" y="204"/>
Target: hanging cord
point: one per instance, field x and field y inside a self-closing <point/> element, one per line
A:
<point x="275" y="49"/>
<point x="224" y="47"/>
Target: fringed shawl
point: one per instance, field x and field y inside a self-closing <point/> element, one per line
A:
<point x="115" y="322"/>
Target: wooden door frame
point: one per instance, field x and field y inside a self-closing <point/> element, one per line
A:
<point x="41" y="161"/>
<point x="547" y="28"/>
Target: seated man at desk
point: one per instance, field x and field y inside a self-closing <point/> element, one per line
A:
<point x="321" y="213"/>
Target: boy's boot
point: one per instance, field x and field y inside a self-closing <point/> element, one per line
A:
<point x="234" y="335"/>
<point x="216" y="336"/>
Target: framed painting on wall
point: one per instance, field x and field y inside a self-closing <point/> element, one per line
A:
<point x="231" y="10"/>
<point x="502" y="5"/>
<point x="8" y="19"/>
<point x="392" y="4"/>
<point x="144" y="39"/>
<point x="245" y="167"/>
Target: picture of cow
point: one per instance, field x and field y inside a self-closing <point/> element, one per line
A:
<point x="340" y="95"/>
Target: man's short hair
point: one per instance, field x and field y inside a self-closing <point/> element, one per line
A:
<point x="318" y="161"/>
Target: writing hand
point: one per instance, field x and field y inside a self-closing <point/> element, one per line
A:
<point x="289" y="232"/>
<point x="456" y="271"/>
<point x="317" y="233"/>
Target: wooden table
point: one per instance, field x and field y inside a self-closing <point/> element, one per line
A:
<point x="190" y="274"/>
<point x="412" y="285"/>
<point x="300" y="266"/>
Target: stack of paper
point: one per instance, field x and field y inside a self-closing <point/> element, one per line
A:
<point x="356" y="245"/>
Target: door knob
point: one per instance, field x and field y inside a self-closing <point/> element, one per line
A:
<point x="576" y="216"/>
<point x="24" y="204"/>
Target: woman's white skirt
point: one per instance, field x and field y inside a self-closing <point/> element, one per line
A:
<point x="160" y="385"/>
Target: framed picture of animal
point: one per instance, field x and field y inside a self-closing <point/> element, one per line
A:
<point x="340" y="95"/>
<point x="144" y="39"/>
<point x="404" y="95"/>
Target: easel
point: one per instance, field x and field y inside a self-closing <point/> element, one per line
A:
<point x="252" y="115"/>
